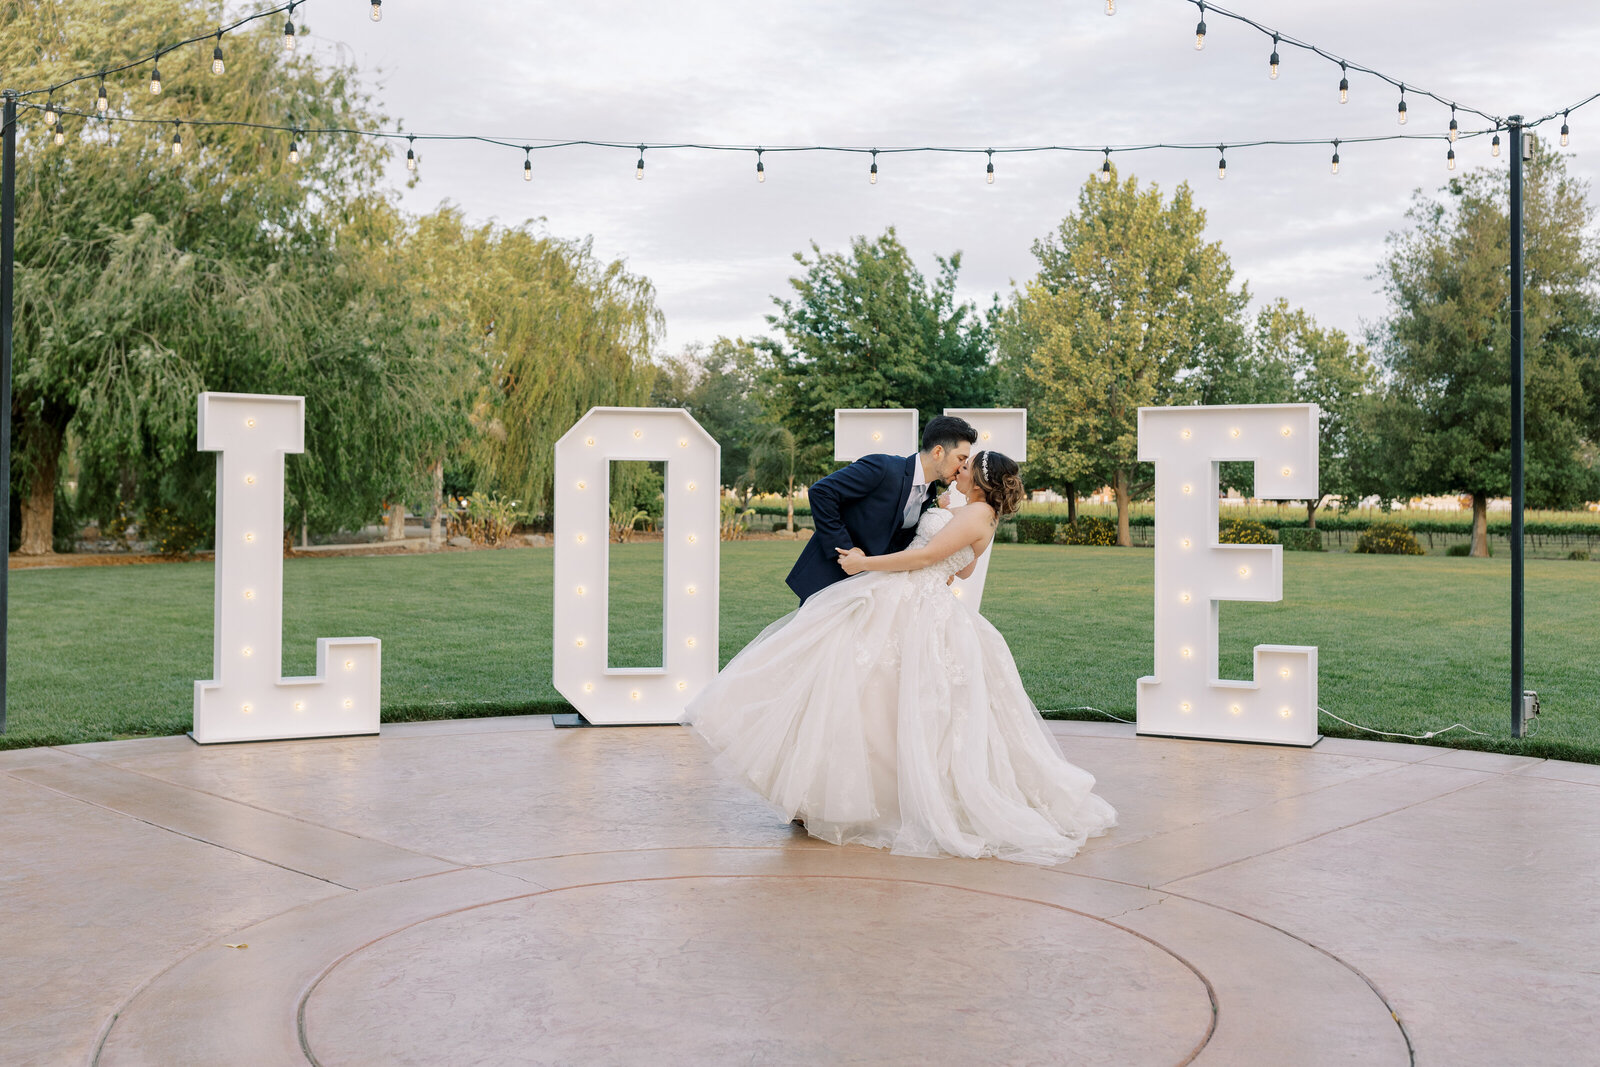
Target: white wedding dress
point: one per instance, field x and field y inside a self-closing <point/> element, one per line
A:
<point x="886" y="713"/>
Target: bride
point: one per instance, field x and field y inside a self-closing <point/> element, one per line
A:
<point x="884" y="712"/>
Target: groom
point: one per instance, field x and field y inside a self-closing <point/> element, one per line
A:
<point x="874" y="503"/>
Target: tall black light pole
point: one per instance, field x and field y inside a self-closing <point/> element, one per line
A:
<point x="8" y="222"/>
<point x="1519" y="727"/>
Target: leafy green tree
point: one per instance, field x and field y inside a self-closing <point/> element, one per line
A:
<point x="1290" y="359"/>
<point x="1131" y="307"/>
<point x="717" y="385"/>
<point x="145" y="276"/>
<point x="559" y="330"/>
<point x="867" y="330"/>
<point x="1443" y="424"/>
<point x="778" y="460"/>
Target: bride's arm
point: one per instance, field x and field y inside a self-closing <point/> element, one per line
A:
<point x="978" y="548"/>
<point x="968" y="526"/>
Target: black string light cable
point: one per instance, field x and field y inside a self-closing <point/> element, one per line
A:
<point x="1345" y="65"/>
<point x="217" y="66"/>
<point x="529" y="146"/>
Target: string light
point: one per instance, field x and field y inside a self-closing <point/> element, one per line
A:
<point x="1454" y="127"/>
<point x="872" y="175"/>
<point x="1105" y="168"/>
<point x="51" y="117"/>
<point x="217" y="66"/>
<point x="1344" y="83"/>
<point x="1272" y="62"/>
<point x="102" y="103"/>
<point x="1566" y="132"/>
<point x="288" y="29"/>
<point x="1402" y="109"/>
<point x="60" y="137"/>
<point x="1200" y="30"/>
<point x="761" y="168"/>
<point x="989" y="171"/>
<point x="411" y="155"/>
<point x="1335" y="160"/>
<point x="294" y="147"/>
<point x="377" y="10"/>
<point x="1494" y="145"/>
<point x="177" y="138"/>
<point x="1222" y="164"/>
<point x="155" y="76"/>
<point x="1450" y="160"/>
<point x="527" y="164"/>
<point x="1111" y="7"/>
<point x="638" y="170"/>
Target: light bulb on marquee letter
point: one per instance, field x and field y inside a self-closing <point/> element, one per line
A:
<point x="246" y="699"/>
<point x="1185" y="697"/>
<point x="584" y="455"/>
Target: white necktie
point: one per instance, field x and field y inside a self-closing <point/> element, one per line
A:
<point x="914" y="505"/>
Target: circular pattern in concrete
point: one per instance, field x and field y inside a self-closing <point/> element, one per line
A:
<point x="796" y="969"/>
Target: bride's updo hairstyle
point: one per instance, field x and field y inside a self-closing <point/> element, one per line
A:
<point x="996" y="474"/>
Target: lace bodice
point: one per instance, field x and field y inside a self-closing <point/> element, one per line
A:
<point x="933" y="520"/>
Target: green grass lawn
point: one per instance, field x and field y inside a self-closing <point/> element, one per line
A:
<point x="1405" y="644"/>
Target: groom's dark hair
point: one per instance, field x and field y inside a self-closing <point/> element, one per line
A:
<point x="949" y="431"/>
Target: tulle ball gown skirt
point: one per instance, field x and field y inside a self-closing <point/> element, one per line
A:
<point x="884" y="712"/>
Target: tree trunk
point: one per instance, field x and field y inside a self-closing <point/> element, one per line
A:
<point x="1311" y="514"/>
<point x="397" y="523"/>
<point x="305" y="530"/>
<point x="38" y="504"/>
<point x="1120" y="487"/>
<point x="436" y="519"/>
<point x="1072" y="503"/>
<point x="1480" y="525"/>
<point x="791" y="506"/>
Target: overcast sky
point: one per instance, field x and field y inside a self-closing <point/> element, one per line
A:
<point x="717" y="245"/>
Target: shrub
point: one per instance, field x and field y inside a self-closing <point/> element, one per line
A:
<point x="1388" y="538"/>
<point x="1006" y="533"/>
<point x="735" y="523"/>
<point x="1035" y="531"/>
<point x="1087" y="530"/>
<point x="1465" y="550"/>
<point x="1300" y="539"/>
<point x="1579" y="554"/>
<point x="487" y="518"/>
<point x="1246" y="532"/>
<point x="171" y="534"/>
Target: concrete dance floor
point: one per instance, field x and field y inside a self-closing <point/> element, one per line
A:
<point x="496" y="891"/>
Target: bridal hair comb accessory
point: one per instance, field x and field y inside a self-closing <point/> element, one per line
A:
<point x="983" y="465"/>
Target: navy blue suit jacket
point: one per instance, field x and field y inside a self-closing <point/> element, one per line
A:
<point x="861" y="506"/>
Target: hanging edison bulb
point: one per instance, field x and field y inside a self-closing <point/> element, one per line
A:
<point x="294" y="147"/>
<point x="1401" y="111"/>
<point x="761" y="168"/>
<point x="1494" y="146"/>
<point x="638" y="168"/>
<point x="155" y="77"/>
<point x="1336" y="157"/>
<point x="217" y="66"/>
<point x="1272" y="61"/>
<point x="411" y="155"/>
<point x="872" y="175"/>
<point x="1111" y="7"/>
<point x="60" y="137"/>
<point x="1450" y="160"/>
<point x="102" y="103"/>
<point x="1566" y="132"/>
<point x="527" y="164"/>
<point x="377" y="10"/>
<point x="288" y="31"/>
<point x="988" y="175"/>
<point x="1222" y="164"/>
<point x="177" y="140"/>
<point x="1105" y="168"/>
<point x="1200" y="30"/>
<point x="1344" y="84"/>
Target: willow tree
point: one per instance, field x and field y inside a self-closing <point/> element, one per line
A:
<point x="559" y="330"/>
<point x="145" y="275"/>
<point x="1131" y="307"/>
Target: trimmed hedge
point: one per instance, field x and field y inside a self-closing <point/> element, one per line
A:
<point x="1087" y="530"/>
<point x="1299" y="539"/>
<point x="1035" y="531"/>
<point x="1245" y="532"/>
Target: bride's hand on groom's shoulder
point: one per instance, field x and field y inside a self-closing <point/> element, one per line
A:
<point x="944" y="499"/>
<point x="853" y="560"/>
